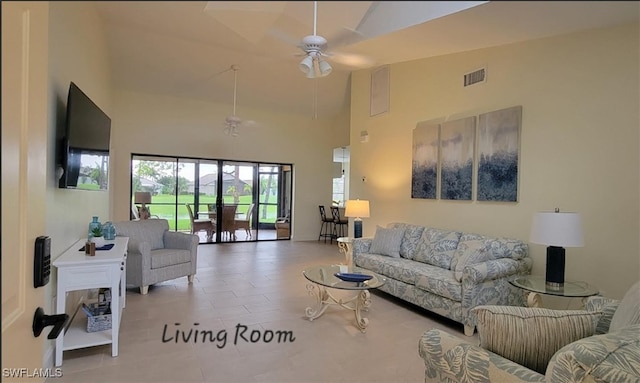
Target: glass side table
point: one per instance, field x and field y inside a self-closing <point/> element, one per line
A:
<point x="344" y="246"/>
<point x="536" y="285"/>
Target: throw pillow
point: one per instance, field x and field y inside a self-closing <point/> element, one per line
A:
<point x="628" y="311"/>
<point x="387" y="242"/>
<point x="530" y="336"/>
<point x="437" y="247"/>
<point x="412" y="234"/>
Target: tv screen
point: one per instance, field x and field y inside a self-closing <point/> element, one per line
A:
<point x="85" y="145"/>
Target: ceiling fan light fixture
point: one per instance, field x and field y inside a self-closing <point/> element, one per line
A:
<point x="311" y="74"/>
<point x="233" y="120"/>
<point x="325" y="68"/>
<point x="306" y="65"/>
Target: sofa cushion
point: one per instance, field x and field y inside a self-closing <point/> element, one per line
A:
<point x="372" y="262"/>
<point x="401" y="269"/>
<point x="168" y="257"/>
<point x="473" y="248"/>
<point x="438" y="281"/>
<point x="436" y="247"/>
<point x="530" y="336"/>
<point x="612" y="357"/>
<point x="412" y="234"/>
<point x="397" y="268"/>
<point x="628" y="311"/>
<point x="387" y="241"/>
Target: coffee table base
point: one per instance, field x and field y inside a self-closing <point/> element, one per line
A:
<point x="324" y="299"/>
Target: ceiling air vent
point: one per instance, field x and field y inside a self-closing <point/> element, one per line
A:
<point x="475" y="77"/>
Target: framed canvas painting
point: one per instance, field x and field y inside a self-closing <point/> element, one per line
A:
<point x="498" y="153"/>
<point x="457" y="141"/>
<point x="424" y="170"/>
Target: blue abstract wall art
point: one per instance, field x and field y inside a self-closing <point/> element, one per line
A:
<point x="457" y="143"/>
<point x="424" y="171"/>
<point x="498" y="155"/>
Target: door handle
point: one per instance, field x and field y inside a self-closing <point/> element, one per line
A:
<point x="40" y="321"/>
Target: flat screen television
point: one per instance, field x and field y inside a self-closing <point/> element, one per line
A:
<point x="85" y="144"/>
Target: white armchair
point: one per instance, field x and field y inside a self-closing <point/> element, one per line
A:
<point x="156" y="254"/>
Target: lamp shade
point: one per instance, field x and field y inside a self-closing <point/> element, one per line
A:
<point x="142" y="197"/>
<point x="357" y="208"/>
<point x="557" y="229"/>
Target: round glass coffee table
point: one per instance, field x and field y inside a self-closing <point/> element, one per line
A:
<point x="323" y="277"/>
<point x="536" y="285"/>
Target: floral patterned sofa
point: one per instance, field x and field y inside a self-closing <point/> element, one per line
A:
<point x="444" y="271"/>
<point x="522" y="344"/>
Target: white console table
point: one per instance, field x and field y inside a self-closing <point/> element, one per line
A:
<point x="77" y="271"/>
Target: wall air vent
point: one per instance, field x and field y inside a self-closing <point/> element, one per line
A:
<point x="475" y="77"/>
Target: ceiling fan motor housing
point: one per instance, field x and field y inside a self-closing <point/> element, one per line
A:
<point x="233" y="120"/>
<point x="313" y="43"/>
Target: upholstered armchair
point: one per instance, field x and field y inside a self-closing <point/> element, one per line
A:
<point x="156" y="254"/>
<point x="522" y="344"/>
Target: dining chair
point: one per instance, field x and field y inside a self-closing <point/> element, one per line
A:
<point x="228" y="221"/>
<point x="245" y="223"/>
<point x="211" y="208"/>
<point x="136" y="216"/>
<point x="200" y="224"/>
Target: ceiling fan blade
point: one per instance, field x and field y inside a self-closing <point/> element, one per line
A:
<point x="352" y="60"/>
<point x="284" y="37"/>
<point x="346" y="36"/>
<point x="250" y="124"/>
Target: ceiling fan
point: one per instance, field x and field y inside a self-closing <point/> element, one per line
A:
<point x="315" y="64"/>
<point x="232" y="123"/>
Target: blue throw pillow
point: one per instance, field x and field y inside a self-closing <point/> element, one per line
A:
<point x="387" y="241"/>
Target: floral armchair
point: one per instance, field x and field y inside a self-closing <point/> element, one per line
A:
<point x="521" y="344"/>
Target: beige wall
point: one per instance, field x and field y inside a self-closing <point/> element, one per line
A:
<point x="78" y="53"/>
<point x="579" y="144"/>
<point x="155" y="124"/>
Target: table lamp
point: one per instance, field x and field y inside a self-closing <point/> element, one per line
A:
<point x="143" y="198"/>
<point x="557" y="230"/>
<point x="357" y="209"/>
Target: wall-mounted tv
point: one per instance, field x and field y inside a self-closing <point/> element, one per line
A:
<point x="85" y="145"/>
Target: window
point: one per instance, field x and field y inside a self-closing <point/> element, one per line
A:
<point x="207" y="185"/>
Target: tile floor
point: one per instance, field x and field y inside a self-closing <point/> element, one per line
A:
<point x="258" y="287"/>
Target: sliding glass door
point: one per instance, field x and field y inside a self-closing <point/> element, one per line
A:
<point x="241" y="200"/>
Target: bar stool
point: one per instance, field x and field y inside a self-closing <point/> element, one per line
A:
<point x="340" y="225"/>
<point x="327" y="226"/>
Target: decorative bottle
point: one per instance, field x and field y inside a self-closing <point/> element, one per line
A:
<point x="109" y="231"/>
<point x="93" y="224"/>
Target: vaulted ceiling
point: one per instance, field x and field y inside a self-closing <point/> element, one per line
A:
<point x="186" y="48"/>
